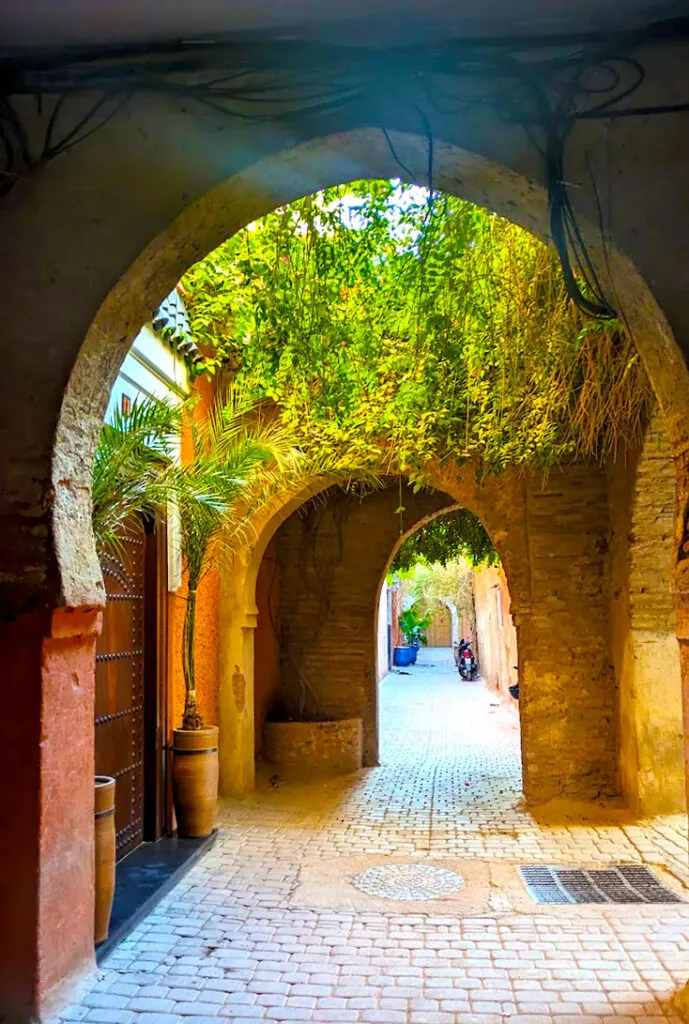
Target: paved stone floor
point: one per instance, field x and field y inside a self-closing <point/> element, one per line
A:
<point x="268" y="926"/>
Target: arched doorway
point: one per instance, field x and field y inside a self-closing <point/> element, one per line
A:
<point x="358" y="153"/>
<point x="77" y="579"/>
<point x="438" y="583"/>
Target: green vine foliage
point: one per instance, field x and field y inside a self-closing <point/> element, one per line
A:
<point x="402" y="326"/>
<point x="446" y="538"/>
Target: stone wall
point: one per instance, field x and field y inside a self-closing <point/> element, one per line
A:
<point x="314" y="750"/>
<point x="567" y="687"/>
<point x="333" y="556"/>
<point x="645" y="647"/>
<point x="553" y="538"/>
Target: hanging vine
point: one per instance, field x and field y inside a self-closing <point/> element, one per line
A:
<point x="317" y="308"/>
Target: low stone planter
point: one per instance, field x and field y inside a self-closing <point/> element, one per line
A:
<point x="314" y="749"/>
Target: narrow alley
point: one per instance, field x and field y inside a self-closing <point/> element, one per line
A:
<point x="288" y="917"/>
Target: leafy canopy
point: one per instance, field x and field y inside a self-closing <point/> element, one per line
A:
<point x="458" y="534"/>
<point x="430" y="586"/>
<point x="403" y="327"/>
<point x="427" y="588"/>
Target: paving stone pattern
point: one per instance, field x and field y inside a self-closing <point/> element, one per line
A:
<point x="228" y="944"/>
<point x="408" y="881"/>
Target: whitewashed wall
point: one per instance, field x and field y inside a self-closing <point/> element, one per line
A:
<point x="382" y="655"/>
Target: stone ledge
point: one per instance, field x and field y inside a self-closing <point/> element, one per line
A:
<point x="307" y="749"/>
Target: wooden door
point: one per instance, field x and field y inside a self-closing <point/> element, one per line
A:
<point x="120" y="704"/>
<point x="157" y="784"/>
<point x="440" y="630"/>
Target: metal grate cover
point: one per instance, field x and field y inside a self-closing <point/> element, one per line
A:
<point x="624" y="883"/>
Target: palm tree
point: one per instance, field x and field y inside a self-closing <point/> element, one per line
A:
<point x="241" y="457"/>
<point x="134" y="472"/>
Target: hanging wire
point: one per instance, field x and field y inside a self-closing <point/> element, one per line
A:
<point x="584" y="78"/>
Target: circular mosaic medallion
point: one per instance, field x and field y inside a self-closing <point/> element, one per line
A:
<point x="408" y="882"/>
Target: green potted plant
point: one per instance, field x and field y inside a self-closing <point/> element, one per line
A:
<point x="414" y="627"/>
<point x="237" y="453"/>
<point x="238" y="457"/>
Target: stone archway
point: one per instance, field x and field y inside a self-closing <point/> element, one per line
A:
<point x="644" y="626"/>
<point x="277" y="179"/>
<point x="560" y="604"/>
<point x="49" y="547"/>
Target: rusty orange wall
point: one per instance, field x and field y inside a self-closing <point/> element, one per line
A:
<point x="207" y="650"/>
<point x="497" y="641"/>
<point x="207" y="622"/>
<point x="46" y="760"/>
<point x="267" y="642"/>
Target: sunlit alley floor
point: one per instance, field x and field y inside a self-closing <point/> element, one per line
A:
<point x="269" y="925"/>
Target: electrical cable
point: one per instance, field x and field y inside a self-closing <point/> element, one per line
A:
<point x="587" y="79"/>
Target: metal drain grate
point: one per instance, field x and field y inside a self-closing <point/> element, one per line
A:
<point x="625" y="883"/>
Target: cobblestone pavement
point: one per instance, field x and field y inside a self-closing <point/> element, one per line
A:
<point x="244" y="937"/>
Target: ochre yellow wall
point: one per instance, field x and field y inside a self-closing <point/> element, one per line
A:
<point x="439" y="632"/>
<point x="497" y="640"/>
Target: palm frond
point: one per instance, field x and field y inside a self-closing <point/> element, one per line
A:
<point x="132" y="468"/>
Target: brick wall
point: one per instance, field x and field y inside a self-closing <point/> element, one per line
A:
<point x="567" y="686"/>
<point x="553" y="539"/>
<point x="333" y="556"/>
<point x="645" y="648"/>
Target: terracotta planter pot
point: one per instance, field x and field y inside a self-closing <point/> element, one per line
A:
<point x="105" y="855"/>
<point x="195" y="780"/>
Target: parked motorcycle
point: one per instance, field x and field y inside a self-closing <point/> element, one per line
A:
<point x="467" y="664"/>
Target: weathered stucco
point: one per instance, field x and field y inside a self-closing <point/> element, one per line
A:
<point x="46" y="755"/>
